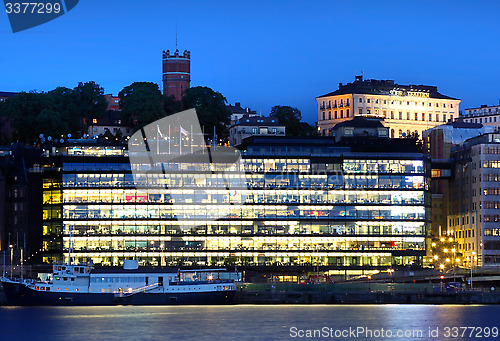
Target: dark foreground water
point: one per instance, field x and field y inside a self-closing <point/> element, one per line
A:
<point x="334" y="322"/>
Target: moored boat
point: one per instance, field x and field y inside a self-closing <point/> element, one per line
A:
<point x="83" y="285"/>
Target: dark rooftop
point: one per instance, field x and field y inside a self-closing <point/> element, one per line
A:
<point x="360" y="122"/>
<point x="257" y="121"/>
<point x="382" y="87"/>
<point x="464" y="125"/>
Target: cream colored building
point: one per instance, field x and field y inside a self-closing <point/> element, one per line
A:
<point x="486" y="115"/>
<point x="405" y="109"/>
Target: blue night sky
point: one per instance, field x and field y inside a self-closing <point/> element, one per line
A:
<point x="263" y="53"/>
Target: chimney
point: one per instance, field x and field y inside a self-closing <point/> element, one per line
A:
<point x="237" y="104"/>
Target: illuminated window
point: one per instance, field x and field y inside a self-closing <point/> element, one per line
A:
<point x="94" y="120"/>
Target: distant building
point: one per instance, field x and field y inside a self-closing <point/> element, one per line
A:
<point x="438" y="143"/>
<point x="21" y="202"/>
<point x="487" y="115"/>
<point x="113" y="102"/>
<point x="474" y="214"/>
<point x="249" y="125"/>
<point x="405" y="109"/>
<point x="176" y="73"/>
<point x="237" y="111"/>
<point x="111" y="121"/>
<point x="360" y="126"/>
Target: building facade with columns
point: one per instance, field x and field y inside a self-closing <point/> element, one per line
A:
<point x="404" y="109"/>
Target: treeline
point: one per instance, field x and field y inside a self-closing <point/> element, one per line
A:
<point x="64" y="111"/>
<point x="58" y="112"/>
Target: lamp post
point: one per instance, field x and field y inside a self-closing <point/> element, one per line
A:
<point x="454" y="260"/>
<point x="11" y="258"/>
<point x="471" y="260"/>
<point x="369" y="283"/>
<point x="441" y="277"/>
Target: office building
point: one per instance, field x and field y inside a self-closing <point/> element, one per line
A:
<point x="474" y="212"/>
<point x="358" y="204"/>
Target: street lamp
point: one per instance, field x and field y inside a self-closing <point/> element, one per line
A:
<point x="471" y="259"/>
<point x="11" y="258"/>
<point x="369" y="283"/>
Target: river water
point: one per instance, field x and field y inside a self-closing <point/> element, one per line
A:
<point x="250" y="322"/>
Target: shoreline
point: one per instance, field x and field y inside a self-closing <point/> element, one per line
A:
<point x="357" y="298"/>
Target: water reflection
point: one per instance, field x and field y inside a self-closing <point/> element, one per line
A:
<point x="229" y="322"/>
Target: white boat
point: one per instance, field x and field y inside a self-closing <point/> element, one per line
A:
<point x="84" y="285"/>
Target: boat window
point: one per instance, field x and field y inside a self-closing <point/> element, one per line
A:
<point x="82" y="270"/>
<point x="72" y="279"/>
<point x="76" y="269"/>
<point x="65" y="278"/>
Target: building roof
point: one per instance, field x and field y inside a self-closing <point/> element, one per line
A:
<point x="238" y="109"/>
<point x="383" y="87"/>
<point x="257" y="121"/>
<point x="317" y="144"/>
<point x="464" y="125"/>
<point x="360" y="122"/>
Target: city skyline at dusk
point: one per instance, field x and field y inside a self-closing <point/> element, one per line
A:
<point x="263" y="54"/>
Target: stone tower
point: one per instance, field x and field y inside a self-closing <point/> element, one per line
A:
<point x="176" y="73"/>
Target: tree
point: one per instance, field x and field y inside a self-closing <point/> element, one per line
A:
<point x="24" y="109"/>
<point x="52" y="123"/>
<point x="64" y="103"/>
<point x="418" y="141"/>
<point x="211" y="109"/>
<point x="141" y="103"/>
<point x="89" y="100"/>
<point x="290" y="117"/>
<point x="171" y="105"/>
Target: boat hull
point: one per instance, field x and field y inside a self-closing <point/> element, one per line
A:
<point x="19" y="294"/>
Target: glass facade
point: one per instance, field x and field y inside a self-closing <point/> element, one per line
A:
<point x="338" y="209"/>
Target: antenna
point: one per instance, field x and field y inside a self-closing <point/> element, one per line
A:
<point x="176" y="34"/>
